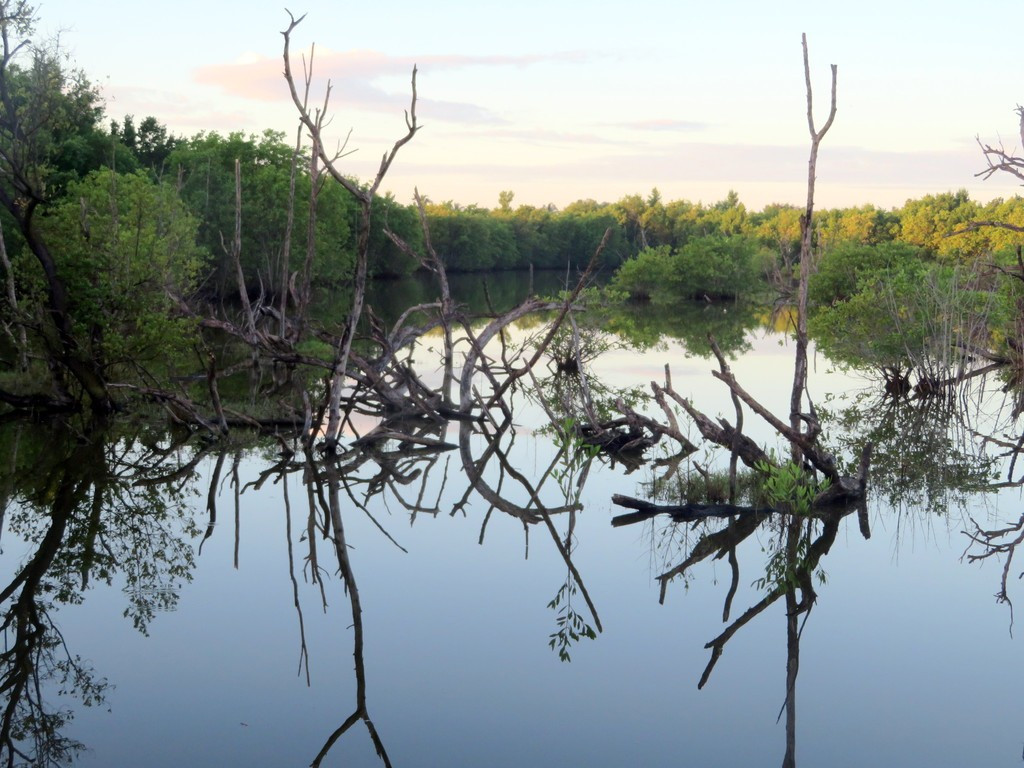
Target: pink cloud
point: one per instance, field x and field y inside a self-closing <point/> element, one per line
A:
<point x="353" y="74"/>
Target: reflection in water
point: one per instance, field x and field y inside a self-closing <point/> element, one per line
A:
<point x="794" y="537"/>
<point x="99" y="505"/>
<point x="95" y="505"/>
<point x="90" y="504"/>
<point x="690" y="322"/>
<point x="929" y="454"/>
<point x="929" y="457"/>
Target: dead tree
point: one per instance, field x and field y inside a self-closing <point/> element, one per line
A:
<point x="332" y="511"/>
<point x="807" y="251"/>
<point x="798" y="550"/>
<point x="999" y="160"/>
<point x="314" y="122"/>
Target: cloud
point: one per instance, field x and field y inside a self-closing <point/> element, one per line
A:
<point x="675" y="126"/>
<point x="547" y="137"/>
<point x="354" y="76"/>
<point x="699" y="161"/>
<point x="456" y="112"/>
<point x="182" y="114"/>
<point x="762" y="173"/>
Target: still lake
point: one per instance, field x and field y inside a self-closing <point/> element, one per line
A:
<point x="204" y="632"/>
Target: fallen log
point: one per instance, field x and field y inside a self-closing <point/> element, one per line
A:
<point x="680" y="513"/>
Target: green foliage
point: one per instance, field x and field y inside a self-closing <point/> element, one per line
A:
<point x="777" y="228"/>
<point x="922" y="458"/>
<point x="206" y="163"/>
<point x="469" y="239"/>
<point x="645" y="276"/>
<point x="782" y="569"/>
<point x="52" y="134"/>
<point x="716" y="267"/>
<point x="688" y="321"/>
<point x="385" y="259"/>
<point x="913" y="314"/>
<point x="93" y="507"/>
<point x="866" y="225"/>
<point x="570" y="625"/>
<point x="149" y="145"/>
<point x="693" y="483"/>
<point x="790" y="488"/>
<point x="849" y="264"/>
<point x="575" y="456"/>
<point x="126" y="248"/>
<point x="315" y="348"/>
<point x="929" y="221"/>
<point x="709" y="267"/>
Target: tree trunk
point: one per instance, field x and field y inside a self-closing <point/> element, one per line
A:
<point x="806" y="251"/>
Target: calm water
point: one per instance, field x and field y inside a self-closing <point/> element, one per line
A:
<point x="906" y="658"/>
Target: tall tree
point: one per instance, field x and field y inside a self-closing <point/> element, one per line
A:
<point x="313" y="118"/>
<point x="39" y="102"/>
<point x="796" y="417"/>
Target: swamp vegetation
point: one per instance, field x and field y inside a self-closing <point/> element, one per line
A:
<point x="193" y="332"/>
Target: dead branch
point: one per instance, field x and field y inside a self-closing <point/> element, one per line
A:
<point x="998" y="159"/>
<point x="364" y="196"/>
<point x="806" y="252"/>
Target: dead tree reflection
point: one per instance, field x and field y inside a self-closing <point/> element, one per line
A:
<point x="811" y="480"/>
<point x="110" y="506"/>
<point x="323" y="486"/>
<point x="409" y="463"/>
<point x="798" y="542"/>
<point x="998" y="541"/>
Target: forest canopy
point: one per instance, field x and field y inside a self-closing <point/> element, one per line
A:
<point x="118" y="234"/>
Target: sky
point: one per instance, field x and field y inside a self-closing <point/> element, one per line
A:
<point x="561" y="101"/>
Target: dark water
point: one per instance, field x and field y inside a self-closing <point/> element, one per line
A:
<point x="203" y="628"/>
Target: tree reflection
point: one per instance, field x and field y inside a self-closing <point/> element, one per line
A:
<point x="389" y="466"/>
<point x="91" y="505"/>
<point x="690" y="322"/>
<point x="99" y="505"/>
<point x="930" y="456"/>
<point x="795" y="534"/>
<point x="927" y="455"/>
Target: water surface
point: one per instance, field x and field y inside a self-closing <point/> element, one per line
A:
<point x="906" y="658"/>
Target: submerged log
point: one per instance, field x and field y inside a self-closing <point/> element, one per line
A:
<point x="680" y="513"/>
<point x="844" y="491"/>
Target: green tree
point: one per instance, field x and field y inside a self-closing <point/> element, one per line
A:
<point x="715" y="267"/>
<point x="843" y="269"/>
<point x="206" y="164"/>
<point x="645" y="276"/>
<point x="49" y="118"/>
<point x="912" y="315"/>
<point x="127" y="249"/>
<point x="929" y="221"/>
<point x="150" y="144"/>
<point x="385" y="258"/>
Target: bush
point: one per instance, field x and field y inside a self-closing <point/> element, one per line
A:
<point x="716" y="267"/>
<point x="126" y="248"/>
<point x="844" y="267"/>
<point x="646" y="275"/>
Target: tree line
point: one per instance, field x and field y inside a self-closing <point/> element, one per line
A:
<point x="112" y="228"/>
<point x="275" y="182"/>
